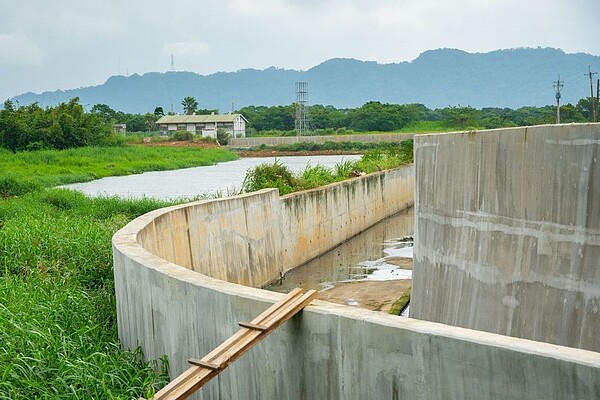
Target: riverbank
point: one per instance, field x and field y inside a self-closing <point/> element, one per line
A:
<point x="276" y="153"/>
<point x="249" y="153"/>
<point x="27" y="171"/>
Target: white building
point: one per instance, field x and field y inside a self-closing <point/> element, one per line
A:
<point x="206" y="125"/>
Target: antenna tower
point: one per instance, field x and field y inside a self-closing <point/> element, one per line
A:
<point x="302" y="121"/>
<point x="172" y="63"/>
<point x="557" y="86"/>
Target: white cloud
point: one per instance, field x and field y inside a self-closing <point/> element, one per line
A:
<point x="19" y="51"/>
<point x="81" y="24"/>
<point x="82" y="42"/>
<point x="186" y="48"/>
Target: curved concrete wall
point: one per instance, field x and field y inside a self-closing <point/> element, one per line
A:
<point x="328" y="351"/>
<point x="254" y="239"/>
<point x="507" y="234"/>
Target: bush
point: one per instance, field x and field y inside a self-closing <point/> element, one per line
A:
<point x="64" y="126"/>
<point x="182" y="136"/>
<point x="10" y="186"/>
<point x="274" y="175"/>
<point x="222" y="136"/>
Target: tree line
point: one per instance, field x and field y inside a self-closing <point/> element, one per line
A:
<point x="69" y="125"/>
<point x="63" y="126"/>
<point x="376" y="116"/>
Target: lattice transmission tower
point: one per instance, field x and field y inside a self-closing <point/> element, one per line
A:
<point x="302" y="120"/>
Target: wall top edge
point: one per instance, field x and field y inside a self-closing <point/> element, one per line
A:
<point x="594" y="126"/>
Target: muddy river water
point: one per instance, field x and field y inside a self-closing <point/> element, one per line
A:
<point x="381" y="253"/>
<point x="223" y="178"/>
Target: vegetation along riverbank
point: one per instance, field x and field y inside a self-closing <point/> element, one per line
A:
<point x="58" y="330"/>
<point x="57" y="307"/>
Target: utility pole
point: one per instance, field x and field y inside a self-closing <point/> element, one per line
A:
<point x="590" y="74"/>
<point x="557" y="86"/>
<point x="597" y="94"/>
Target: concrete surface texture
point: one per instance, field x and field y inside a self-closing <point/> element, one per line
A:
<point x="328" y="351"/>
<point x="507" y="233"/>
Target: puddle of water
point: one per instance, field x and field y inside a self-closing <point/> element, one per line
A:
<point x="224" y="178"/>
<point x="372" y="255"/>
<point x="406" y="311"/>
<point x="402" y="247"/>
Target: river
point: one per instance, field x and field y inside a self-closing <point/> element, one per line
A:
<point x="221" y="179"/>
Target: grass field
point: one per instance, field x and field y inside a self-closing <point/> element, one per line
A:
<point x="58" y="331"/>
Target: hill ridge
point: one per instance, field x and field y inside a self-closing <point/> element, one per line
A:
<point x="436" y="78"/>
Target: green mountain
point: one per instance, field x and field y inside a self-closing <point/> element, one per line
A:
<point x="437" y="78"/>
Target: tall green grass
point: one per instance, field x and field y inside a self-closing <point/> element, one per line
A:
<point x="55" y="344"/>
<point x="29" y="170"/>
<point x="58" y="330"/>
<point x="278" y="175"/>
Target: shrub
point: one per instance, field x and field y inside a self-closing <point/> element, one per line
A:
<point x="274" y="175"/>
<point x="10" y="186"/>
<point x="222" y="136"/>
<point x="182" y="136"/>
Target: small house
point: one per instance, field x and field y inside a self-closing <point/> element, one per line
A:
<point x="205" y="125"/>
<point x="120" y="127"/>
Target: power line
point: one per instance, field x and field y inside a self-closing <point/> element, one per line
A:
<point x="557" y="86"/>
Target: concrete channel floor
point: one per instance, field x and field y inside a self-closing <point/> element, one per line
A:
<point x="371" y="295"/>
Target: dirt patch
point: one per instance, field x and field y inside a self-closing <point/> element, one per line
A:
<point x="401" y="262"/>
<point x="372" y="295"/>
<point x="180" y="144"/>
<point x="247" y="153"/>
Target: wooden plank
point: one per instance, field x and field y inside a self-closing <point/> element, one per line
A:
<point x="203" y="364"/>
<point x="249" y="325"/>
<point x="246" y="342"/>
<point x="233" y="348"/>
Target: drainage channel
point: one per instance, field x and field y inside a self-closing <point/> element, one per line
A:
<point x="371" y="270"/>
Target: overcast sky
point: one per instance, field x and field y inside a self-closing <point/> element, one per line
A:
<point x="64" y="44"/>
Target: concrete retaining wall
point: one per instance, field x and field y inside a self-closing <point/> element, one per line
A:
<point x="254" y="239"/>
<point x="271" y="141"/>
<point x="328" y="351"/>
<point x="507" y="232"/>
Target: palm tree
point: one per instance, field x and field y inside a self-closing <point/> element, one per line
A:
<point x="189" y="105"/>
